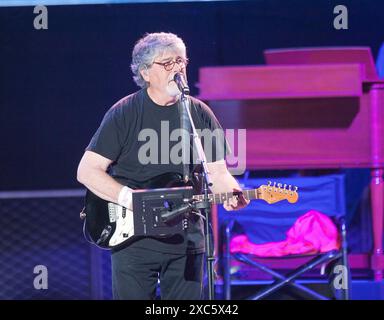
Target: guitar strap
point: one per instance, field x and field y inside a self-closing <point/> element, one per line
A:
<point x="185" y="125"/>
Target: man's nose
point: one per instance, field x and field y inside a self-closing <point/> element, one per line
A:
<point x="178" y="66"/>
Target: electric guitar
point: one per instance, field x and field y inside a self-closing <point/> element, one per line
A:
<point x="108" y="225"/>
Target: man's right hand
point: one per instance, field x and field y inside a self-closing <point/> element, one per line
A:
<point x="125" y="198"/>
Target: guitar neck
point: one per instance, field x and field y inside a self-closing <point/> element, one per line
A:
<point x="219" y="198"/>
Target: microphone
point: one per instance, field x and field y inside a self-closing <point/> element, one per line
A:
<point x="167" y="215"/>
<point x="181" y="82"/>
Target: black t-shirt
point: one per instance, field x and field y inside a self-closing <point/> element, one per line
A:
<point x="142" y="140"/>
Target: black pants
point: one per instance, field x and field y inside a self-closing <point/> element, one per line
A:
<point x="135" y="275"/>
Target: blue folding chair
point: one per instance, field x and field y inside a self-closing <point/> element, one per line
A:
<point x="263" y="222"/>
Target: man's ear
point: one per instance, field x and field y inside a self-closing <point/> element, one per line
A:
<point x="145" y="73"/>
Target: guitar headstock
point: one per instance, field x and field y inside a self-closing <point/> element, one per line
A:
<point x="276" y="192"/>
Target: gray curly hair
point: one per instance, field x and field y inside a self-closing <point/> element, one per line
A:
<point x="148" y="48"/>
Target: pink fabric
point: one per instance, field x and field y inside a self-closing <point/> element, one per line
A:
<point x="312" y="233"/>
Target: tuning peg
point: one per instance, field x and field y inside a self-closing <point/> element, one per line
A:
<point x="295" y="189"/>
<point x="269" y="183"/>
<point x="279" y="185"/>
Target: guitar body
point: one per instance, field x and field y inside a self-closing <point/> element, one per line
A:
<point x="103" y="218"/>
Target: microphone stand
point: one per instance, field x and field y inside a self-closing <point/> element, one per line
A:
<point x="204" y="205"/>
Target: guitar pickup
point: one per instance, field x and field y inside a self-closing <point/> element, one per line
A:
<point x="124" y="214"/>
<point x="112" y="208"/>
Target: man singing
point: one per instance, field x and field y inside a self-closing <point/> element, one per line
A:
<point x="115" y="156"/>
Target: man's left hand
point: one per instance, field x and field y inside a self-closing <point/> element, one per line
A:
<point x="237" y="202"/>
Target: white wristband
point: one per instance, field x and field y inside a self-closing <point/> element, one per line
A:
<point x="125" y="198"/>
